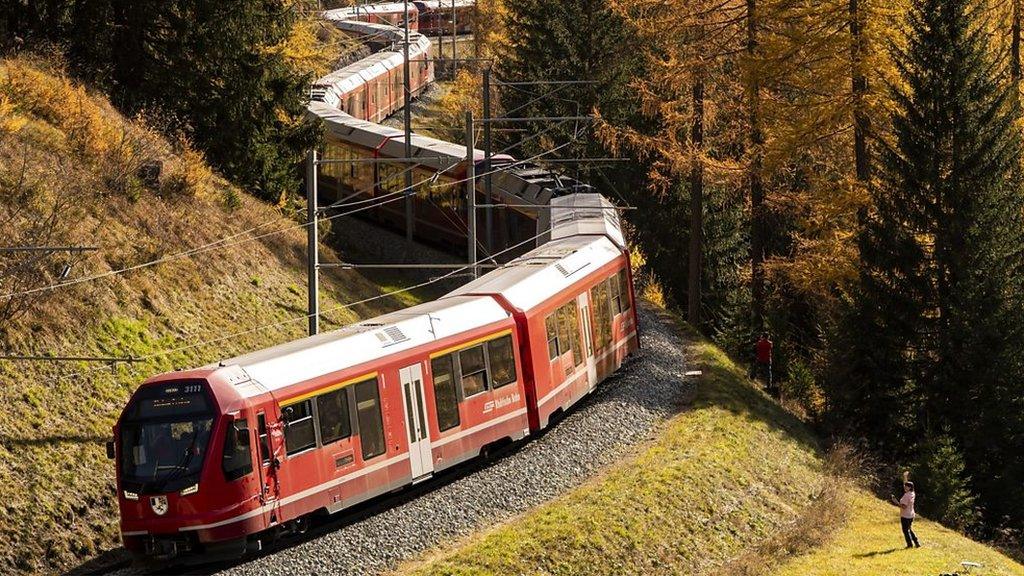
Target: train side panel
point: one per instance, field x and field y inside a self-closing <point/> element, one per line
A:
<point x="311" y="465"/>
<point x="577" y="339"/>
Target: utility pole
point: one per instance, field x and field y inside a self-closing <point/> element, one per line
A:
<point x="488" y="183"/>
<point x="312" y="251"/>
<point x="455" y="44"/>
<point x="471" y="194"/>
<point x="409" y="197"/>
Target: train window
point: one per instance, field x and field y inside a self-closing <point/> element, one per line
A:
<point x="261" y="430"/>
<point x="332" y="411"/>
<point x="563" y="332"/>
<point x="446" y="398"/>
<point x="237" y="459"/>
<point x="569" y="330"/>
<point x="299" y="434"/>
<point x="602" y="314"/>
<point x="551" y="324"/>
<point x="474" y="371"/>
<point x="391" y="177"/>
<point x="502" y="361"/>
<point x="616" y="294"/>
<point x="623" y="291"/>
<point x="371" y="427"/>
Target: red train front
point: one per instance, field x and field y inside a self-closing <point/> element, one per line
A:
<point x="183" y="462"/>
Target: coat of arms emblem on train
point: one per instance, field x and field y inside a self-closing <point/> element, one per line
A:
<point x="158" y="504"/>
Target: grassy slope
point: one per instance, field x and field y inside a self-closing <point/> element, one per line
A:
<point x="732" y="485"/>
<point x="871" y="543"/>
<point x="59" y="141"/>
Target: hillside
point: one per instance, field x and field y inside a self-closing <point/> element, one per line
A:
<point x="732" y="485"/>
<point x="75" y="172"/>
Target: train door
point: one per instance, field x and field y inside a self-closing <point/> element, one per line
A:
<point x="420" y="456"/>
<point x="588" y="341"/>
<point x="268" y="468"/>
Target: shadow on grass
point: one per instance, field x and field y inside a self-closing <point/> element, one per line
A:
<point x="9" y="442"/>
<point x="877" y="553"/>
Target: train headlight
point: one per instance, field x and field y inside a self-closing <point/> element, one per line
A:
<point x="130" y="495"/>
<point x="190" y="490"/>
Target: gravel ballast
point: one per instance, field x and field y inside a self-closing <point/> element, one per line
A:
<point x="620" y="414"/>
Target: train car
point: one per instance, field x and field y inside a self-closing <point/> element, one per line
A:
<point x="390" y="13"/>
<point x="439" y="17"/>
<point x="521" y="190"/>
<point x="218" y="459"/>
<point x="573" y="300"/>
<point x="432" y="17"/>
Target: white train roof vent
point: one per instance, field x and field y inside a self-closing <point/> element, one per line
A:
<point x="391" y="335"/>
<point x="568" y="268"/>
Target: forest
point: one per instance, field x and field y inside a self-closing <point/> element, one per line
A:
<point x="843" y="174"/>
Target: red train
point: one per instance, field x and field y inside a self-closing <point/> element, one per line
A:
<point x="217" y="459"/>
<point x="433" y="17"/>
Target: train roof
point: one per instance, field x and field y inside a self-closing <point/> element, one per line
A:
<point x="355" y="12"/>
<point x="537" y="185"/>
<point x="543" y="272"/>
<point x="307" y="358"/>
<point x="585" y="215"/>
<point x="584" y="235"/>
<point x="445" y="4"/>
<point x="359" y="10"/>
<point x="332" y="87"/>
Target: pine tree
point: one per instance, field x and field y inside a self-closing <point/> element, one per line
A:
<point x="933" y="335"/>
<point x="577" y="40"/>
<point x="943" y="490"/>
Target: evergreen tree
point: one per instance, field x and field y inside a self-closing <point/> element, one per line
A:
<point x="943" y="491"/>
<point x="933" y="338"/>
<point x="577" y="40"/>
<point x="208" y="67"/>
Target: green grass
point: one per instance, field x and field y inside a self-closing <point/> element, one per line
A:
<point x="733" y="484"/>
<point x="726" y="473"/>
<point x="871" y="543"/>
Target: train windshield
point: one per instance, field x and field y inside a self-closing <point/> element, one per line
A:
<point x="164" y="438"/>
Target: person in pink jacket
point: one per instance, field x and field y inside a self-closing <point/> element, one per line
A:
<point x="907" y="515"/>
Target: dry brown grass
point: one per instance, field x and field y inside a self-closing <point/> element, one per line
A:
<point x="826" y="511"/>
<point x="61" y="146"/>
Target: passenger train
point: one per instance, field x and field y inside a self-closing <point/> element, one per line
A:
<point x="216" y="460"/>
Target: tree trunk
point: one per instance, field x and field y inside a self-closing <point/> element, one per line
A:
<point x="1015" y="43"/>
<point x="696" y="202"/>
<point x="861" y="120"/>
<point x="757" y="210"/>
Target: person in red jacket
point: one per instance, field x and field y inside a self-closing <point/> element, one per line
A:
<point x="764" y="360"/>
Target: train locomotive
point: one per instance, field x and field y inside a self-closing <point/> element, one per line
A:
<point x="219" y="459"/>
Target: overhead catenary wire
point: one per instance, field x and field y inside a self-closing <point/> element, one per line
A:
<point x="296" y="319"/>
<point x="226" y="242"/>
